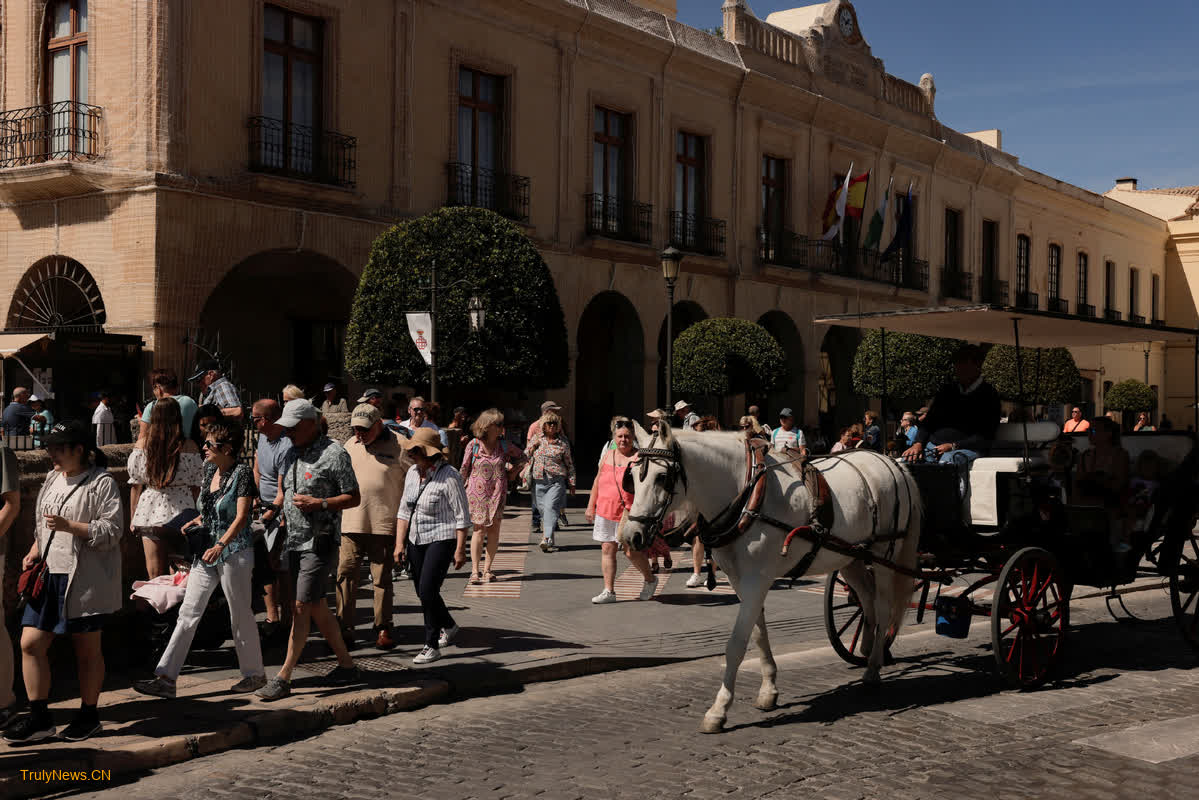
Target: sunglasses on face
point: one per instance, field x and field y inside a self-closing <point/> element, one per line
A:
<point x="361" y="431"/>
<point x="417" y="410"/>
<point x="213" y="445"/>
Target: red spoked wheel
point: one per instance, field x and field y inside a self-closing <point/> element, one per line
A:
<point x="1181" y="562"/>
<point x="1030" y="614"/>
<point x="844" y="621"/>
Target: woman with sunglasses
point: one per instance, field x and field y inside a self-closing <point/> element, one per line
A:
<point x="79" y="520"/>
<point x="608" y="504"/>
<point x="552" y="474"/>
<point x="226" y="496"/>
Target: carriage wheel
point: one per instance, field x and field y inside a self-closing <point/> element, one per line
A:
<point x="1181" y="563"/>
<point x="844" y="621"/>
<point x="1030" y="614"/>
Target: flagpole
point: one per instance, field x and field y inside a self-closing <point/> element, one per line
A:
<point x="842" y="201"/>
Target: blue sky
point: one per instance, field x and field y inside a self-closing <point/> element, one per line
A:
<point x="1083" y="91"/>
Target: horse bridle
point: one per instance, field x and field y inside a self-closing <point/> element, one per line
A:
<point x="672" y="460"/>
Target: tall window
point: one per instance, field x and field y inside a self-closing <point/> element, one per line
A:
<point x="480" y="132"/>
<point x="1134" y="293"/>
<point x="774" y="196"/>
<point x="953" y="240"/>
<point x="690" y="154"/>
<point x="1023" y="252"/>
<point x="1155" y="289"/>
<point x="1055" y="271"/>
<point x="1083" y="278"/>
<point x="1109" y="286"/>
<point x="990" y="292"/>
<point x="291" y="90"/>
<point x="72" y="129"/>
<point x="610" y="154"/>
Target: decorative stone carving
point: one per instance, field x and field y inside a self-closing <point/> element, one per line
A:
<point x="930" y="90"/>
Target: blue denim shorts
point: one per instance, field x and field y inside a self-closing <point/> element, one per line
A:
<point x="49" y="613"/>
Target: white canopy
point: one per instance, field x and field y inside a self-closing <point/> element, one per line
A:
<point x="994" y="325"/>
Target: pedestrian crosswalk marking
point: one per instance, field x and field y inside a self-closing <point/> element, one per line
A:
<point x="508" y="565"/>
<point x="629" y="583"/>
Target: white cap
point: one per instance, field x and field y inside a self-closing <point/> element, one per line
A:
<point x="33" y="398"/>
<point x="328" y="387"/>
<point x="679" y="406"/>
<point x="295" y="411"/>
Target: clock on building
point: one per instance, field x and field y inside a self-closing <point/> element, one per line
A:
<point x="845" y="22"/>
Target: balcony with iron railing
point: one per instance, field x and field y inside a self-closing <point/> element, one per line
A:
<point x="956" y="283"/>
<point x="697" y="234"/>
<point x="1157" y="323"/>
<point x="63" y="131"/>
<point x="1059" y="305"/>
<point x="302" y="152"/>
<point x="1085" y="309"/>
<point x="479" y="187"/>
<point x="1112" y="315"/>
<point x="616" y="217"/>
<point x="1136" y="319"/>
<point x="1028" y="300"/>
<point x="994" y="292"/>
<point x="786" y="248"/>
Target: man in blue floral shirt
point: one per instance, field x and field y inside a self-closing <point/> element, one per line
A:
<point x="316" y="483"/>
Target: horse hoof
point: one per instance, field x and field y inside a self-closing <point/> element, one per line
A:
<point x="767" y="702"/>
<point x="871" y="685"/>
<point x="712" y="725"/>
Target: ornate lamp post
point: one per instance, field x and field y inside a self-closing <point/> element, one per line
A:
<point x="475" y="309"/>
<point x="672" y="259"/>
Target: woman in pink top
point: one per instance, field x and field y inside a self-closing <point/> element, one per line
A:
<point x="609" y="501"/>
<point x="487" y="465"/>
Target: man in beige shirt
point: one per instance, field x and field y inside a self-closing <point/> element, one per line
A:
<point x="380" y="465"/>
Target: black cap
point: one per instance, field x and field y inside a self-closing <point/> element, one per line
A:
<point x="204" y="366"/>
<point x="71" y="432"/>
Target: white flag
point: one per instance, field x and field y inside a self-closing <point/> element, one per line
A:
<point x="842" y="197"/>
<point x="420" y="328"/>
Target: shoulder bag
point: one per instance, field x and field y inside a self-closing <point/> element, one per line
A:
<point x="32" y="582"/>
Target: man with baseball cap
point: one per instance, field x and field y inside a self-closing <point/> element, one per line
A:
<point x="333" y="404"/>
<point x="372" y="396"/>
<point x="316" y="484"/>
<point x="216" y="389"/>
<point x="786" y="435"/>
<point x="380" y="466"/>
<point x="683" y="411"/>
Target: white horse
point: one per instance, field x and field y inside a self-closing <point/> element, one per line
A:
<point x="872" y="496"/>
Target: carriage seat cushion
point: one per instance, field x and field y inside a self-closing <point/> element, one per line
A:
<point x="984" y="484"/>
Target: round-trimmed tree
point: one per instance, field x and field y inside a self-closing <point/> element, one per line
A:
<point x="523" y="344"/>
<point x="1129" y="395"/>
<point x="917" y="366"/>
<point x="725" y="355"/>
<point x="1049" y="374"/>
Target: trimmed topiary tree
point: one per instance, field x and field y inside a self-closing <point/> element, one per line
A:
<point x="917" y="366"/>
<point x="523" y="344"/>
<point x="1129" y="395"/>
<point x="725" y="355"/>
<point x="1050" y="373"/>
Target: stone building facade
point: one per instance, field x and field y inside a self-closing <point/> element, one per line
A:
<point x="225" y="166"/>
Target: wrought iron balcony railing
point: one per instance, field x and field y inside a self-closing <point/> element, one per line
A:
<point x="1136" y="319"/>
<point x="697" y="234"/>
<point x="782" y="247"/>
<point x="63" y="131"/>
<point x="1059" y="304"/>
<point x="1112" y="315"/>
<point x="299" y="151"/>
<point x="619" y="218"/>
<point x="1157" y="323"/>
<point x="995" y="292"/>
<point x="1029" y="300"/>
<point x="1085" y="310"/>
<point x="506" y="195"/>
<point x="956" y="283"/>
<point x="786" y="248"/>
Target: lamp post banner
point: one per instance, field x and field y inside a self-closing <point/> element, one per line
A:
<point x="420" y="328"/>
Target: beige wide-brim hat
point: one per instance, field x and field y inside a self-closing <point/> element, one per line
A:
<point x="426" y="440"/>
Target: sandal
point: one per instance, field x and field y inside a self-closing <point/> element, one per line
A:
<point x="489" y="577"/>
<point x="667" y="563"/>
<point x="474" y="579"/>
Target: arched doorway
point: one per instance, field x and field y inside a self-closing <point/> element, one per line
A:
<point x="839" y="404"/>
<point x="685" y="314"/>
<point x="55" y="293"/>
<point x="281" y="318"/>
<point x="782" y="328"/>
<point x="609" y="373"/>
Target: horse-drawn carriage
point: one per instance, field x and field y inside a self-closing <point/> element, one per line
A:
<point x="878" y="527"/>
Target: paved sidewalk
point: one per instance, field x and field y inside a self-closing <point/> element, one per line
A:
<point x="535" y="623"/>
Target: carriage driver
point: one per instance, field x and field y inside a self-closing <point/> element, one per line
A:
<point x="963" y="417"/>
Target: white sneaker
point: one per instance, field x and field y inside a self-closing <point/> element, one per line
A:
<point x="695" y="581"/>
<point x="447" y="636"/>
<point x="427" y="656"/>
<point x="647" y="591"/>
<point x="605" y="596"/>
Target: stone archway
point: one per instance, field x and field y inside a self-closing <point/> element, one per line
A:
<point x="685" y="314"/>
<point x="281" y="318"/>
<point x="609" y="372"/>
<point x="780" y="325"/>
<point x="839" y="404"/>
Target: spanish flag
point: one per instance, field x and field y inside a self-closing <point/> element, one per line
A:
<point x="855" y="199"/>
<point x="845" y="201"/>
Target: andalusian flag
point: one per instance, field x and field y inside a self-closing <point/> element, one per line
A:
<point x="874" y="235"/>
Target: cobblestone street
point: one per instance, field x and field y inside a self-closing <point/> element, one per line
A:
<point x="1121" y="722"/>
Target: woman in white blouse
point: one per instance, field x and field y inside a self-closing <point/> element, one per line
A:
<point x="431" y="527"/>
<point x="164" y="472"/>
